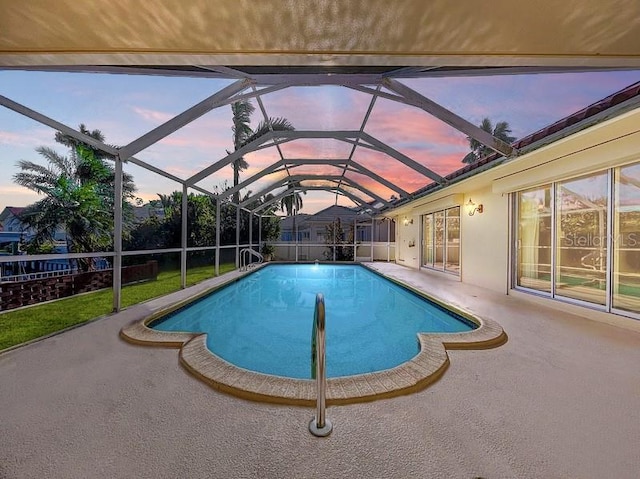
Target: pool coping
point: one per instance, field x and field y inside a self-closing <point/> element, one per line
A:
<point x="422" y="370"/>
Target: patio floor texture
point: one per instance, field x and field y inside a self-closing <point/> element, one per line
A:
<point x="560" y="399"/>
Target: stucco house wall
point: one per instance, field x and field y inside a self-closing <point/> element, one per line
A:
<point x="485" y="238"/>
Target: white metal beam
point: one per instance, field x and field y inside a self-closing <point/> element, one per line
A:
<point x="449" y="117"/>
<point x="183" y="118"/>
<point x="273" y="168"/>
<point x="267" y="170"/>
<point x="348" y="194"/>
<point x="358" y="168"/>
<point x="367" y="191"/>
<point x="271" y="187"/>
<point x="362" y="125"/>
<point x="230" y="158"/>
<point x="268" y="122"/>
<point x="299" y="178"/>
<point x="117" y="235"/>
<point x="156" y="170"/>
<point x="403" y="158"/>
<point x="255" y="144"/>
<point x="45" y="120"/>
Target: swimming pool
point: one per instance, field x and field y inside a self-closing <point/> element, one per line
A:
<point x="263" y="321"/>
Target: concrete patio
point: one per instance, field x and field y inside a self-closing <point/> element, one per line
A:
<point x="560" y="399"/>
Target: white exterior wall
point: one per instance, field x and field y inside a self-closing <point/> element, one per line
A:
<point x="406" y="235"/>
<point x="485" y="237"/>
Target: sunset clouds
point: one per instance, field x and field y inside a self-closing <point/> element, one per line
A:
<point x="126" y="107"/>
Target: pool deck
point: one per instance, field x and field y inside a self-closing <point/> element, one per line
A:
<point x="560" y="399"/>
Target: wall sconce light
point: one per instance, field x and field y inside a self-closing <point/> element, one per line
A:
<point x="472" y="208"/>
<point x="408" y="221"/>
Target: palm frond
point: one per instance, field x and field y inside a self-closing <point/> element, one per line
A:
<point x="470" y="158"/>
<point x="242" y="111"/>
<point x="487" y="125"/>
<point x="61" y="164"/>
<point x="502" y="130"/>
<point x="264" y="127"/>
<point x="241" y="164"/>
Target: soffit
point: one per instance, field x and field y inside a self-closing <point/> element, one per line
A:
<point x="320" y="32"/>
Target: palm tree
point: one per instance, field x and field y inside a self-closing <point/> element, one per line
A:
<point x="243" y="135"/>
<point x="291" y="203"/>
<point x="78" y="197"/>
<point x="72" y="142"/>
<point x="479" y="150"/>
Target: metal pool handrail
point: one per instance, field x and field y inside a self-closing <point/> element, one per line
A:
<point x="319" y="425"/>
<point x="245" y="256"/>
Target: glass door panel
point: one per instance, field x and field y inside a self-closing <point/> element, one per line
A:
<point x="439" y="240"/>
<point x="453" y="240"/>
<point x="427" y="240"/>
<point x="533" y="268"/>
<point x="626" y="239"/>
<point x="581" y="222"/>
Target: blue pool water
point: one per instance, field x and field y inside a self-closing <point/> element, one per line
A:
<point x="263" y="322"/>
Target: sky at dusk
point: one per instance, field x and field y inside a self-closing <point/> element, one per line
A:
<point x="124" y="107"/>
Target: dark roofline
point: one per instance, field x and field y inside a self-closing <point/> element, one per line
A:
<point x="613" y="105"/>
<point x="14" y="210"/>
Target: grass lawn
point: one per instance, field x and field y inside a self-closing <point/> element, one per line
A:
<point x="24" y="324"/>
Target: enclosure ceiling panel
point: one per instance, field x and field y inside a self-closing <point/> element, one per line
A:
<point x="314" y="149"/>
<point x="319" y="32"/>
<point x="390" y="169"/>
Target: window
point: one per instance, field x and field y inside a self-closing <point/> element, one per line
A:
<point x="626" y="239"/>
<point x="441" y="240"/>
<point x="579" y="239"/>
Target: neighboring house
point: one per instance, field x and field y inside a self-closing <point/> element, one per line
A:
<point x="13" y="230"/>
<point x="312" y="230"/>
<point x="13" y="233"/>
<point x="10" y="220"/>
<point x="144" y="212"/>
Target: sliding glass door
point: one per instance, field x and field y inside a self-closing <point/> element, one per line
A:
<point x="441" y="240"/>
<point x="579" y="239"/>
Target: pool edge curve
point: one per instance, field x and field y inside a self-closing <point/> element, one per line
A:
<point x="416" y="374"/>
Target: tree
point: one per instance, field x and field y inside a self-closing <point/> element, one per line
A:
<point x="78" y="196"/>
<point x="291" y="203"/>
<point x="336" y="240"/>
<point x="166" y="232"/>
<point x="243" y="135"/>
<point x="479" y="150"/>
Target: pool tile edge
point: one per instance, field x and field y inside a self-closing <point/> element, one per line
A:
<point x="424" y="369"/>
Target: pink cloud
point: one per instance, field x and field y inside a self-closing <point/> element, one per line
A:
<point x="30" y="139"/>
<point x="394" y="123"/>
<point x="154" y="116"/>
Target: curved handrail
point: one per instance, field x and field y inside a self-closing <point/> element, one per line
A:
<point x="319" y="426"/>
<point x="245" y="254"/>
